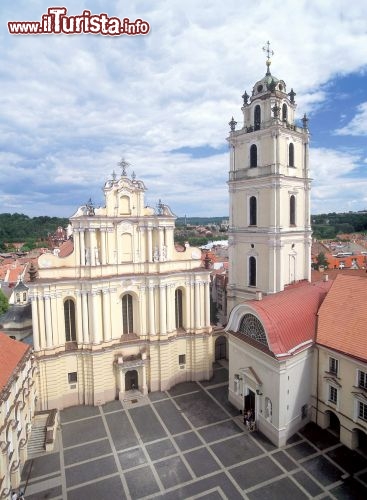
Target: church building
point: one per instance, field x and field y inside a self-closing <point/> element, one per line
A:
<point x="273" y="306"/>
<point x="119" y="308"/>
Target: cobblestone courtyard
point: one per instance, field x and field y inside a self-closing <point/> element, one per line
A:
<point x="188" y="442"/>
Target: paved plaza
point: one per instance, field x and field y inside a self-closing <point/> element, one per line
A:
<point x="188" y="442"/>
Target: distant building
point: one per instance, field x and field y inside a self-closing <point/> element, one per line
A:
<point x="17" y="321"/>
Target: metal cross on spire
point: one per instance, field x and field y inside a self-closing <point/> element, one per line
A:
<point x="269" y="53"/>
<point x="123" y="164"/>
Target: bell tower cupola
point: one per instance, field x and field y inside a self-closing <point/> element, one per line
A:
<point x="269" y="192"/>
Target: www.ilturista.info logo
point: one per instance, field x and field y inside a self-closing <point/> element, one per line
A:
<point x="57" y="22"/>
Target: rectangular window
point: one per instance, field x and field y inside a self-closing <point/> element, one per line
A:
<point x="72" y="377"/>
<point x="362" y="410"/>
<point x="333" y="366"/>
<point x="304" y="411"/>
<point x="333" y="394"/>
<point x="182" y="359"/>
<point x="362" y="379"/>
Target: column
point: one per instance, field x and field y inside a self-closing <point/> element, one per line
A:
<point x="207" y="303"/>
<point x="103" y="247"/>
<point x="192" y="305"/>
<point x="57" y="306"/>
<point x="151" y="310"/>
<point x="143" y="312"/>
<point x="85" y="317"/>
<point x="48" y="321"/>
<point x="96" y="314"/>
<point x="162" y="309"/>
<point x="82" y="247"/>
<point x="106" y="314"/>
<point x="150" y="245"/>
<point x="160" y="242"/>
<point x="93" y="244"/>
<point x="41" y="324"/>
<point x="79" y="318"/>
<point x="197" y="305"/>
<point x="144" y="381"/>
<point x="122" y="379"/>
<point x="76" y="246"/>
<point x="170" y="308"/>
<point x="36" y="339"/>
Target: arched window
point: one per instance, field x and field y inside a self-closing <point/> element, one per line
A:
<point x="291" y="154"/>
<point x="253" y="156"/>
<point x="17" y="298"/>
<point x="252" y="271"/>
<point x="24" y="296"/>
<point x="124" y="205"/>
<point x="257" y="117"/>
<point x="178" y="308"/>
<point x="292" y="210"/>
<point x="284" y="113"/>
<point x="127" y="314"/>
<point x="69" y="316"/>
<point x="253" y="211"/>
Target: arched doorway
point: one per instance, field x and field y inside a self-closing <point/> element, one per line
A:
<point x="131" y="380"/>
<point x="221" y="348"/>
<point x="334" y="424"/>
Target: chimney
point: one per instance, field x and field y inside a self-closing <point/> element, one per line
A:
<point x="259" y="295"/>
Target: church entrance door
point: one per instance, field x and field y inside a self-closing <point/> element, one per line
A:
<point x="131" y="380"/>
<point x="250" y="402"/>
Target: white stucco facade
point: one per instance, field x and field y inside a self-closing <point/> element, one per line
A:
<point x="269" y="191"/>
<point x="124" y="309"/>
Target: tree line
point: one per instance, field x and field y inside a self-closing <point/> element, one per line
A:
<point x="30" y="230"/>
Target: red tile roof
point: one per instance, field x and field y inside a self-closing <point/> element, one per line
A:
<point x="66" y="248"/>
<point x="342" y="324"/>
<point x="11" y="353"/>
<point x="289" y="317"/>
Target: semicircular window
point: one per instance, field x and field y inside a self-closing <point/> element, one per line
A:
<point x="252" y="327"/>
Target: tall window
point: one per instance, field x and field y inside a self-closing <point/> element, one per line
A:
<point x="291" y="154"/>
<point x="253" y="156"/>
<point x="284" y="113"/>
<point x="127" y="314"/>
<point x="362" y="410"/>
<point x="333" y="394"/>
<point x="292" y="210"/>
<point x="362" y="379"/>
<point x="178" y="308"/>
<point x="257" y="117"/>
<point x="252" y="271"/>
<point x="253" y="211"/>
<point x="69" y="316"/>
<point x="333" y="366"/>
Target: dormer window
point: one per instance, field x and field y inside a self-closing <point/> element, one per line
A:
<point x="260" y="88"/>
<point x="284" y="111"/>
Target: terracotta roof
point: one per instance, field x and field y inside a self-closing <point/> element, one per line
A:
<point x="289" y="317"/>
<point x="342" y="321"/>
<point x="11" y="353"/>
<point x="66" y="248"/>
<point x="333" y="273"/>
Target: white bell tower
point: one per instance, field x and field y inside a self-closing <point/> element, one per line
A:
<point x="269" y="193"/>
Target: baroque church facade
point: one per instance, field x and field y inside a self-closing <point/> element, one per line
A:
<point x="121" y="308"/>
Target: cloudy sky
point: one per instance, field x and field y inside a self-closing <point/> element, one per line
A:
<point x="73" y="106"/>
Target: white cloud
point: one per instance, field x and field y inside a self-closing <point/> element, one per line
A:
<point x="358" y="125"/>
<point x="73" y="105"/>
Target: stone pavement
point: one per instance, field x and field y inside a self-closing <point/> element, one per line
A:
<point x="188" y="443"/>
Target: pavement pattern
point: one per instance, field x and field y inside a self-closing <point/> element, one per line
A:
<point x="188" y="443"/>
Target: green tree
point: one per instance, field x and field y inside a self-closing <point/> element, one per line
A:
<point x="321" y="260"/>
<point x="4" y="304"/>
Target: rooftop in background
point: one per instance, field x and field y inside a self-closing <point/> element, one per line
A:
<point x="11" y="354"/>
<point x="345" y="332"/>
